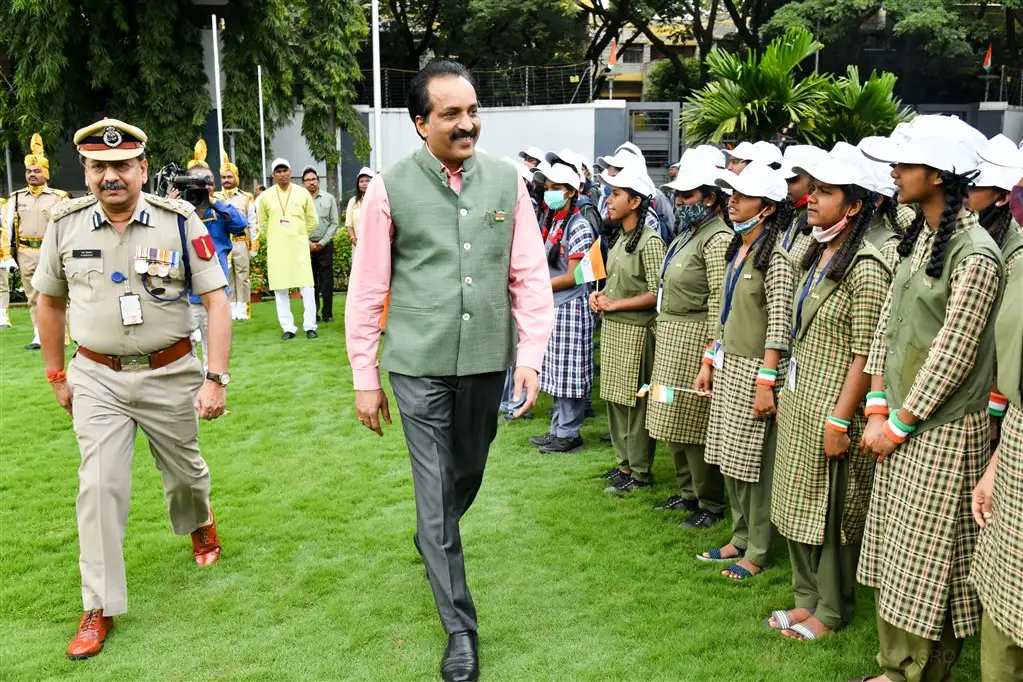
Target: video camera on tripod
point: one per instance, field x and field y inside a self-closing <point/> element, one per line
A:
<point x="192" y="187"/>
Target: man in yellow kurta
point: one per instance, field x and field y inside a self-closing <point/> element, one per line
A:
<point x="287" y="217"/>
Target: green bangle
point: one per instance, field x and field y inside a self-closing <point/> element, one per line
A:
<point x="894" y="416"/>
<point x="843" y="422"/>
<point x="766" y="370"/>
<point x="877" y="394"/>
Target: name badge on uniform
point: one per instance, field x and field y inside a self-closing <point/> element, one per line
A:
<point x="719" y="354"/>
<point x="790" y="383"/>
<point x="284" y="221"/>
<point x="660" y="291"/>
<point x="86" y="253"/>
<point x="131" y="309"/>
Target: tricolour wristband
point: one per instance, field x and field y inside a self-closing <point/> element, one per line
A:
<point x="997" y="405"/>
<point x="767" y="376"/>
<point x="895" y="429"/>
<point x="708" y="357"/>
<point x="836" y="424"/>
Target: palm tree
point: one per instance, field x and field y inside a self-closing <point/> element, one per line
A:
<point x="853" y="110"/>
<point x="759" y="96"/>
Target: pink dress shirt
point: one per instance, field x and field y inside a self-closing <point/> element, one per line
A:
<point x="529" y="283"/>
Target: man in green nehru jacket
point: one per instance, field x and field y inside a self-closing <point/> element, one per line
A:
<point x="453" y="237"/>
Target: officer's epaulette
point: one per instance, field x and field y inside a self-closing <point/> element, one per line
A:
<point x="69" y="206"/>
<point x="59" y="192"/>
<point x="176" y="205"/>
<point x="249" y="195"/>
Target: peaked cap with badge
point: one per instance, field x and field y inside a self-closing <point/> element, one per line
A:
<point x="110" y="140"/>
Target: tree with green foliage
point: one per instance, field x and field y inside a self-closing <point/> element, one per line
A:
<point x="852" y="110"/>
<point x="757" y="96"/>
<point x="664" y="82"/>
<point x="327" y="42"/>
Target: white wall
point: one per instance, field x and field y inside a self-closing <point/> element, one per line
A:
<point x="505" y="130"/>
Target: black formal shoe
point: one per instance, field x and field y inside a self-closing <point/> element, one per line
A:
<point x="609" y="475"/>
<point x="311" y="334"/>
<point x="461" y="660"/>
<point x="702" y="520"/>
<point x="625" y="486"/>
<point x="328" y="320"/>
<point x="33" y="346"/>
<point x="287" y="336"/>
<point x="606" y="438"/>
<point x="676" y="503"/>
<point x="558" y="444"/>
<point x="540" y="441"/>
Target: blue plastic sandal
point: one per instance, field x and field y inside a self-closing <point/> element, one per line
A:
<point x="742" y="572"/>
<point x="715" y="555"/>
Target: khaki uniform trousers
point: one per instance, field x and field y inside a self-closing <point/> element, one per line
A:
<point x="1000" y="657"/>
<point x="5" y="289"/>
<point x="696" y="479"/>
<point x="906" y="657"/>
<point x="238" y="272"/>
<point x="634" y="448"/>
<point x="108" y="408"/>
<point x="28" y="259"/>
<point x="752" y="529"/>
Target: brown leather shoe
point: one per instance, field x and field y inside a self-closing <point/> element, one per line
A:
<point x="206" y="543"/>
<point x="92" y="631"/>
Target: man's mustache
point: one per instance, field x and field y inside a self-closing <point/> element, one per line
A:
<point x="110" y="186"/>
<point x="463" y="134"/>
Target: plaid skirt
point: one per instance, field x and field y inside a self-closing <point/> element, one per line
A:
<point x="567" y="370"/>
<point x="919" y="540"/>
<point x="621" y="353"/>
<point x="678" y="355"/>
<point x="998" y="564"/>
<point x="735" y="438"/>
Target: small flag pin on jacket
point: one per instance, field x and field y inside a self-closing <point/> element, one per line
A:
<point x="499" y="217"/>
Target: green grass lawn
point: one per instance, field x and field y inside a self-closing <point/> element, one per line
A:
<point x="319" y="579"/>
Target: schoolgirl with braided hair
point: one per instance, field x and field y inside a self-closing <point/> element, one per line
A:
<point x="628" y="305"/>
<point x="741" y="370"/>
<point x="822" y="482"/>
<point x="990" y="199"/>
<point x="931" y="366"/>
<point x="690" y="288"/>
<point x="567" y="370"/>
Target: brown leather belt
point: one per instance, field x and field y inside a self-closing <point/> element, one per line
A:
<point x="159" y="359"/>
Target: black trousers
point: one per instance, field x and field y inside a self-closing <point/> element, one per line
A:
<point x="449" y="424"/>
<point x="323" y="279"/>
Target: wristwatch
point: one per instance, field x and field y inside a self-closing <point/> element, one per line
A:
<point x="222" y="379"/>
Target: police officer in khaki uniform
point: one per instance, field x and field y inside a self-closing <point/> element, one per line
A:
<point x="244" y="246"/>
<point x="126" y="261"/>
<point x="28" y="213"/>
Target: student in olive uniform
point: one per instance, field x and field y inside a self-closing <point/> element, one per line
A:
<point x="567" y="371"/>
<point x="931" y="367"/>
<point x="888" y="224"/>
<point x="989" y="196"/>
<point x="628" y="304"/>
<point x="797" y="240"/>
<point x="126" y="260"/>
<point x="688" y="308"/>
<point x="997" y="571"/>
<point x="822" y="479"/>
<point x="756" y="311"/>
<point x="243" y="246"/>
<point x="28" y="214"/>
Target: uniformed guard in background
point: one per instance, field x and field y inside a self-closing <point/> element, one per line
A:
<point x="28" y="212"/>
<point x="126" y="261"/>
<point x="244" y="246"/>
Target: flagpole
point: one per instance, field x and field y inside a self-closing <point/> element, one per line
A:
<point x="262" y="128"/>
<point x="376" y="157"/>
<point x="216" y="85"/>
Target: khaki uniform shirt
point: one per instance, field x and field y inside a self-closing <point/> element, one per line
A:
<point x="82" y="251"/>
<point x="33" y="212"/>
<point x="246" y="205"/>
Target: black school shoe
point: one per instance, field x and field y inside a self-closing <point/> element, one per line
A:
<point x="702" y="520"/>
<point x="626" y="485"/>
<point x="557" y="444"/>
<point x="676" y="503"/>
<point x="541" y="441"/>
<point x="287" y="336"/>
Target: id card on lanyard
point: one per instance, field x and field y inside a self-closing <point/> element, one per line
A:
<point x="283" y="203"/>
<point x="664" y="269"/>
<point x="810" y="283"/>
<point x="732" y="278"/>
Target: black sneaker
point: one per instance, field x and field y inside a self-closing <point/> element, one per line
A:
<point x="311" y="334"/>
<point x="676" y="503"/>
<point x="287" y="336"/>
<point x="626" y="485"/>
<point x="557" y="444"/>
<point x="540" y="441"/>
<point x="610" y="475"/>
<point x="328" y="320"/>
<point x="510" y="417"/>
<point x="702" y="520"/>
<point x="606" y="438"/>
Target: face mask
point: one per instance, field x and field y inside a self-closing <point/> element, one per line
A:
<point x="555" y="199"/>
<point x="743" y="228"/>
<point x="988" y="215"/>
<point x="825" y="235"/>
<point x="688" y="215"/>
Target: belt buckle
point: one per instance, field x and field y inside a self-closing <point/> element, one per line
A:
<point x="134" y="363"/>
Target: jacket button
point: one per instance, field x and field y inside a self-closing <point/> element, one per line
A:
<point x="467" y="246"/>
<point x="468" y="280"/>
<point x="465" y="316"/>
<point x="463" y="212"/>
<point x="891" y="351"/>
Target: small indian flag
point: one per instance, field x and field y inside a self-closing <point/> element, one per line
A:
<point x="591" y="268"/>
<point x="987" y="58"/>
<point x="657" y="393"/>
<point x="613" y="59"/>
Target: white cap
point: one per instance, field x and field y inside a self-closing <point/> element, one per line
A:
<point x="631" y="148"/>
<point x="694" y="174"/>
<point x="757" y="180"/>
<point x="559" y="173"/>
<point x="945" y="143"/>
<point x="278" y="162"/>
<point x="845" y="165"/>
<point x="744" y="151"/>
<point x="534" y="152"/>
<point x="366" y="170"/>
<point x="622" y="159"/>
<point x="630" y="177"/>
<point x="566" y="155"/>
<point x="1001" y="177"/>
<point x="525" y="173"/>
<point x="800" y="155"/>
<point x="702" y="155"/>
<point x="767" y="153"/>
<point x="1001" y="151"/>
<point x="883" y="182"/>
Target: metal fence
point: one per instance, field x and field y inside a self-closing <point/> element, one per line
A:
<point x="1005" y="85"/>
<point x="522" y="86"/>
